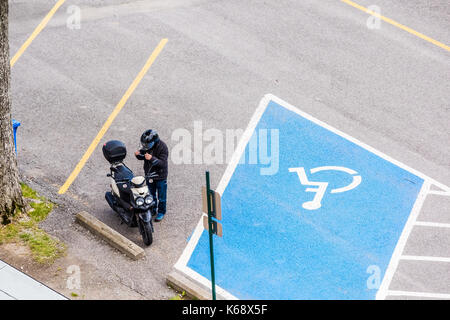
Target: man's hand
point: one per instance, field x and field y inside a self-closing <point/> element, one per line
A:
<point x="148" y="156"/>
<point x="137" y="153"/>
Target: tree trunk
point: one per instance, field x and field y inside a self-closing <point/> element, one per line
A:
<point x="10" y="191"/>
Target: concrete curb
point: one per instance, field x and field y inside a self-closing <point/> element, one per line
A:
<point x="111" y="236"/>
<point x="193" y="289"/>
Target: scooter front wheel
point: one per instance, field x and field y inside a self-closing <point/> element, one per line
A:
<point x="146" y="232"/>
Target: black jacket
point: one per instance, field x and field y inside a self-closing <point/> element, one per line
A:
<point x="159" y="162"/>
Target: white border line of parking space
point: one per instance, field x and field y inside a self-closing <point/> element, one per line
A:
<point x="383" y="291"/>
<point x="425" y="258"/>
<point x="432" y="224"/>
<point x="396" y="256"/>
<point x="440" y="193"/>
<point x="181" y="264"/>
<point x="418" y="294"/>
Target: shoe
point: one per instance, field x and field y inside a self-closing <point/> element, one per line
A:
<point x="159" y="217"/>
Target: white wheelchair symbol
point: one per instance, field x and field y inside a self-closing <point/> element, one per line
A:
<point x="321" y="187"/>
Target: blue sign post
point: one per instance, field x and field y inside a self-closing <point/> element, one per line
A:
<point x="16" y="124"/>
<point x="324" y="225"/>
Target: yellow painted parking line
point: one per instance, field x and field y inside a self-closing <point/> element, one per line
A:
<point x="112" y="116"/>
<point x="36" y="32"/>
<point x="398" y="25"/>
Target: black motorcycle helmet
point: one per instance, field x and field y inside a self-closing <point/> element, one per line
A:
<point x="148" y="139"/>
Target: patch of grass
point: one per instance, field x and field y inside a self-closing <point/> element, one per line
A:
<point x="28" y="192"/>
<point x="8" y="232"/>
<point x="43" y="247"/>
<point x="41" y="210"/>
<point x="179" y="295"/>
<point x="41" y="206"/>
<point x="24" y="228"/>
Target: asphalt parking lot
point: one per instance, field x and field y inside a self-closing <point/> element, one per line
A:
<point x="387" y="87"/>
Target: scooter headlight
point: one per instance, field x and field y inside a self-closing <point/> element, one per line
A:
<point x="140" y="201"/>
<point x="148" y="199"/>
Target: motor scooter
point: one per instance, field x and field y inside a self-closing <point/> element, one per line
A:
<point x="129" y="197"/>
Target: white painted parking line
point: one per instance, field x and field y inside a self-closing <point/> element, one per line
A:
<point x="440" y="193"/>
<point x="425" y="258"/>
<point x="432" y="224"/>
<point x="383" y="290"/>
<point x="419" y="294"/>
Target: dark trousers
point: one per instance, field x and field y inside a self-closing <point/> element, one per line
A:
<point x="158" y="190"/>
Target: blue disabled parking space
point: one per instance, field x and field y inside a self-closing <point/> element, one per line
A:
<point x="306" y="213"/>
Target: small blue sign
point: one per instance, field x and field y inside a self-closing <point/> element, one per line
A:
<point x="16" y="124"/>
<point x="323" y="224"/>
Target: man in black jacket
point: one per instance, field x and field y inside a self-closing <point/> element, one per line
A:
<point x="155" y="154"/>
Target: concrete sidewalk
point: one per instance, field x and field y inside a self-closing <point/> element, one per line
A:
<point x="16" y="285"/>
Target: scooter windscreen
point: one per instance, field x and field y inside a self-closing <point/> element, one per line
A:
<point x="123" y="173"/>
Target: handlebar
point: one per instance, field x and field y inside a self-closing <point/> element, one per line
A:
<point x="150" y="176"/>
<point x="123" y="181"/>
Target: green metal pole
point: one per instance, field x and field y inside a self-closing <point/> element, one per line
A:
<point x="210" y="225"/>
